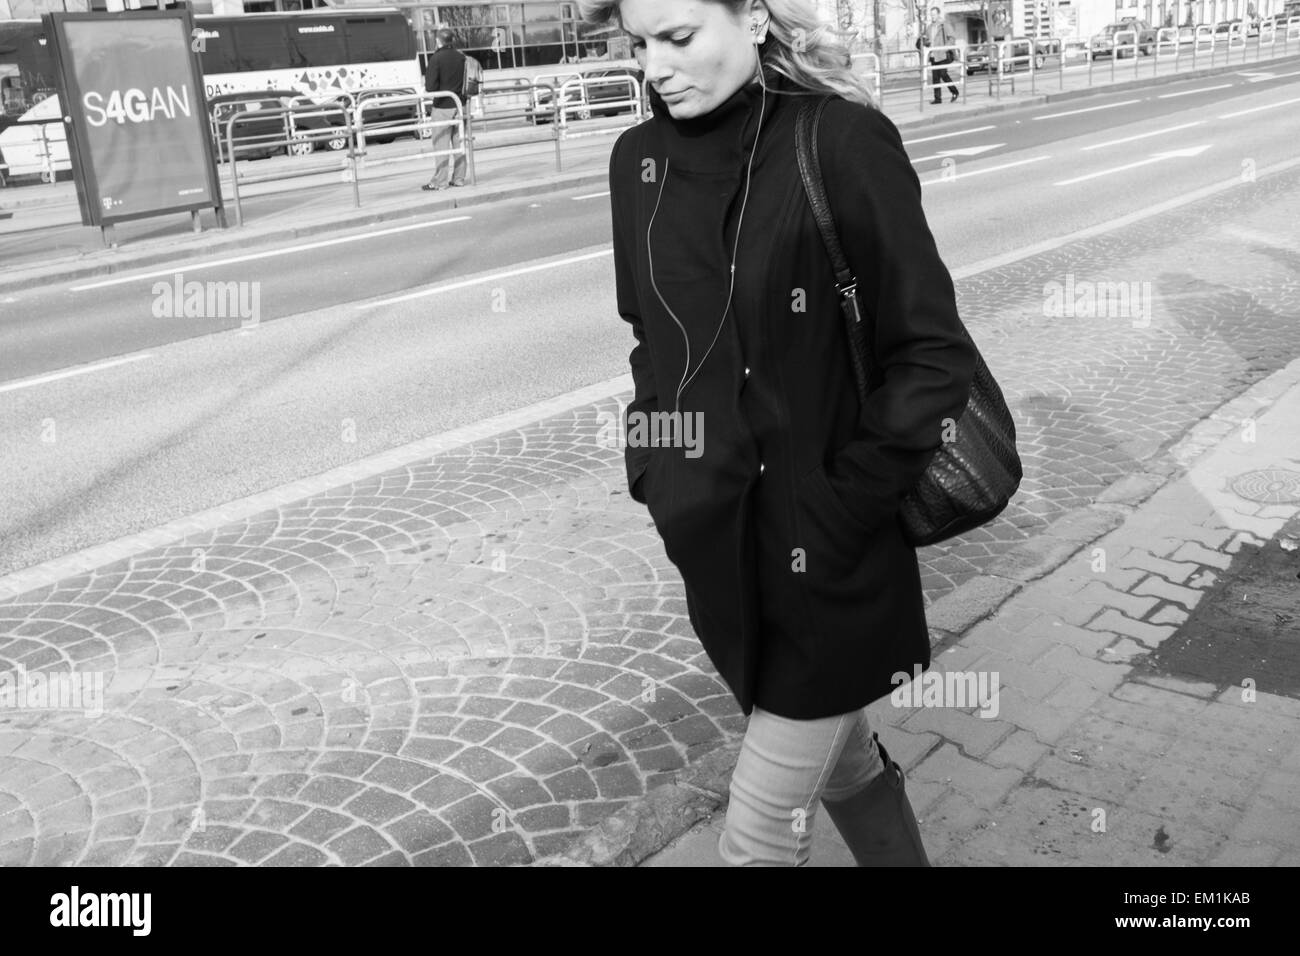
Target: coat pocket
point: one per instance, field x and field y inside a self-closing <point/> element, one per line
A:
<point x="656" y="481"/>
<point x="836" y="539"/>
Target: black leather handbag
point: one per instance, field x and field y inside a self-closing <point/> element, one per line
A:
<point x="970" y="480"/>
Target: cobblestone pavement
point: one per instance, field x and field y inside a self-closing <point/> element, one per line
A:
<point x="1129" y="733"/>
<point x="471" y="659"/>
<point x="1148" y="691"/>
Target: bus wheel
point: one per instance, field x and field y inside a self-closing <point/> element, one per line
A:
<point x="301" y="147"/>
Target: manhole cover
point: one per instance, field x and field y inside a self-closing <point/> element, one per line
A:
<point x="1273" y="486"/>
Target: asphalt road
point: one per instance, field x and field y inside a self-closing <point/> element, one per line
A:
<point x="114" y="418"/>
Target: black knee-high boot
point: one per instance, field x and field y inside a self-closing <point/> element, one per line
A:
<point x="877" y="822"/>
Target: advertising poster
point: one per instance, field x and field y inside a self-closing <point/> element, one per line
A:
<point x="135" y="100"/>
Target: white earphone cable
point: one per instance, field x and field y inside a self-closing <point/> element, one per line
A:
<point x="681" y="386"/>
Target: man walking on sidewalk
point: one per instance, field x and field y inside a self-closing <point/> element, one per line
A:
<point x="445" y="73"/>
<point x="939" y="34"/>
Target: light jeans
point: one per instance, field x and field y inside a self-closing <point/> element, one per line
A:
<point x="785" y="768"/>
<point x="444" y="138"/>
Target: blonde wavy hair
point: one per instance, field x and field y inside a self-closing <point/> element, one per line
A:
<point x="799" y="46"/>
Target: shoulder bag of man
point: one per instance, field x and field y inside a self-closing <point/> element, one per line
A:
<point x="473" y="77"/>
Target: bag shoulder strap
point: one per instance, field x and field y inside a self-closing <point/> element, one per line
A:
<point x="805" y="134"/>
<point x="859" y="333"/>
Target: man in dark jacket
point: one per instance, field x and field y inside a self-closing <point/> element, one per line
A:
<point x="445" y="73"/>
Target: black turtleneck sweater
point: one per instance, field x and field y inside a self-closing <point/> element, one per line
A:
<point x="798" y="582"/>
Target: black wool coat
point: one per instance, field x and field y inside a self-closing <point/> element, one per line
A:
<point x="798" y="581"/>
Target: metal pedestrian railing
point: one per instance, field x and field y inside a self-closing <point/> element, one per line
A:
<point x="340" y="125"/>
<point x="1166" y="51"/>
<point x="868" y="64"/>
<point x="929" y="70"/>
<point x="575" y="97"/>
<point x="45" y="153"/>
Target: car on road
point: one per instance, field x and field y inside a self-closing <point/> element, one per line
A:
<point x="1075" y="50"/>
<point x="331" y="118"/>
<point x="253" y="137"/>
<point x="601" y="87"/>
<point x="260" y="136"/>
<point x="981" y="57"/>
<point x="1103" y="42"/>
<point x="984" y="57"/>
<point x="390" y="107"/>
<point x="1225" y="29"/>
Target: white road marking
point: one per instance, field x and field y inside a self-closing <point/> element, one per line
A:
<point x="216" y="263"/>
<point x="969" y="150"/>
<point x="494" y="277"/>
<point x="960" y="151"/>
<point x="1129" y="139"/>
<point x="1048" y="245"/>
<point x="1256" y="109"/>
<point x="394" y="458"/>
<point x="1088" y="109"/>
<point x="1261" y="77"/>
<point x="70" y="372"/>
<point x="1154" y="158"/>
<point x="980" y="172"/>
<point x="590" y="196"/>
<point x="1259" y="238"/>
<point x="960" y="132"/>
<point x="1202" y="89"/>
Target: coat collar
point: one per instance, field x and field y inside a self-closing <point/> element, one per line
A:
<point x="719" y="140"/>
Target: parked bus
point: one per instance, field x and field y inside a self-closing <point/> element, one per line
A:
<point x="319" y="54"/>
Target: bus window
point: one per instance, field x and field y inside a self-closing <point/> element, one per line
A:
<point x="314" y="43"/>
<point x="379" y="39"/>
<point x="11" y="95"/>
<point x="261" y="45"/>
<point x="218" y="52"/>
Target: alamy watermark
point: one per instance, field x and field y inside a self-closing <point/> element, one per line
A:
<point x="75" y="908"/>
<point x="179" y="299"/>
<point x="651" y="430"/>
<point x="21" y="689"/>
<point x="1088" y="299"/>
<point x="957" y="689"/>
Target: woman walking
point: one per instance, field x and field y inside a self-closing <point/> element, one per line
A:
<point x="783" y="521"/>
